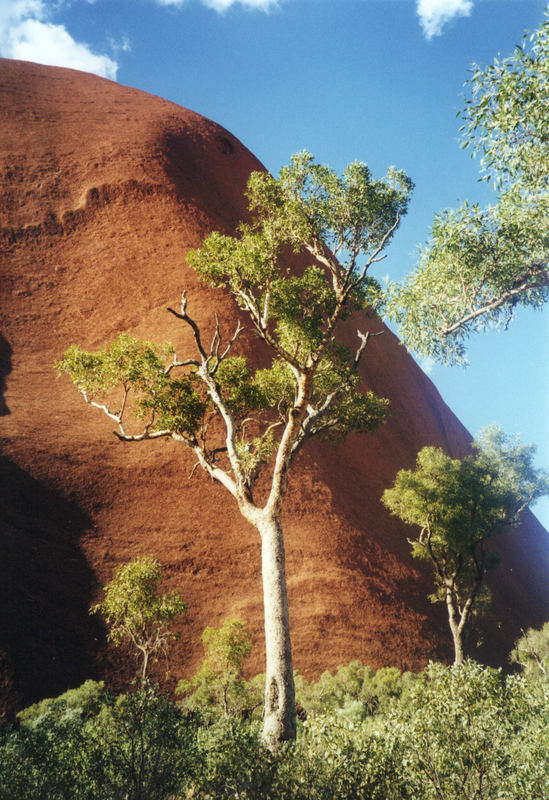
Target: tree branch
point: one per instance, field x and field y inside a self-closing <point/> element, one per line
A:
<point x="507" y="297"/>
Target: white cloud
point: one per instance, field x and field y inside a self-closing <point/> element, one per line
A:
<point x="27" y="33"/>
<point x="434" y="14"/>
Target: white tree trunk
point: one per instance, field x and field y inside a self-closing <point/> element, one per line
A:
<point x="279" y="715"/>
<point x="456" y="628"/>
<point x="458" y="642"/>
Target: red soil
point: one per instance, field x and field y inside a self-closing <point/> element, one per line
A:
<point x="104" y="189"/>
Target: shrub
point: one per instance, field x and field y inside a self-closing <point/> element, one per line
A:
<point x="469" y="733"/>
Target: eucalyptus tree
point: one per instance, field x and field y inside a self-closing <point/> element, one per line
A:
<point x="135" y="612"/>
<point x="480" y="264"/>
<point x="242" y="423"/>
<point x="459" y="506"/>
<point x="218" y="686"/>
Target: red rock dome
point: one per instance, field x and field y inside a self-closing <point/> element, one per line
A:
<point x="104" y="189"/>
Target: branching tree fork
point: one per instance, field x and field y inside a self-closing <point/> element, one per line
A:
<point x="242" y="423"/>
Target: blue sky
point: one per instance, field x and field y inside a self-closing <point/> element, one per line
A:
<point x="375" y="80"/>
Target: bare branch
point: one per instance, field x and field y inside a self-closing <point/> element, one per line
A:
<point x="376" y="255"/>
<point x="186" y="318"/>
<point x="188" y="362"/>
<point x="507" y="297"/>
<point x="106" y="410"/>
<point x="196" y="465"/>
<point x="140" y="437"/>
<point x="238" y="330"/>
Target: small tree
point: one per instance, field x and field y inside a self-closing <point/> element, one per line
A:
<point x="482" y="263"/>
<point x="238" y="422"/>
<point x="460" y="506"/>
<point x="219" y="683"/>
<point x="135" y="612"/>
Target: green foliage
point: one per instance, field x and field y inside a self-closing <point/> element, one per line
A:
<point x="468" y="733"/>
<point x="135" y="612"/>
<point x="295" y="311"/>
<point x="132" y="370"/>
<point x="454" y="733"/>
<point x="45" y="760"/>
<point x="131" y="747"/>
<point x="126" y="361"/>
<point x="242" y="392"/>
<point x="460" y="504"/>
<point x="84" y="700"/>
<point x="531" y="651"/>
<point x="234" y="763"/>
<point x="218" y="687"/>
<point x="350" y="213"/>
<point x="344" y="759"/>
<point x="141" y="747"/>
<point x="506" y="117"/>
<point x="480" y="264"/>
<point x="354" y="692"/>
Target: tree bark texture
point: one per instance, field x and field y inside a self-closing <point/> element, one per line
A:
<point x="457" y="630"/>
<point x="279" y="722"/>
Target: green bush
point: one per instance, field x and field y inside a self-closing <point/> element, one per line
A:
<point x="334" y="758"/>
<point x="469" y="733"/>
<point x="233" y="762"/>
<point x="86" y="700"/>
<point x="131" y="747"/>
<point x="458" y="733"/>
<point x="351" y="686"/>
<point x="218" y="687"/>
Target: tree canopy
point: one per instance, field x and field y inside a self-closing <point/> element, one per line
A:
<point x="460" y="505"/>
<point x="480" y="264"/>
<point x="136" y="612"/>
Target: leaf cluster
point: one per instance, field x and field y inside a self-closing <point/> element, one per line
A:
<point x="126" y="362"/>
<point x="459" y="505"/>
<point x="531" y="651"/>
<point x="506" y="116"/>
<point x="133" y="371"/>
<point x="218" y="686"/>
<point x="478" y="268"/>
<point x="354" y="692"/>
<point x="135" y="611"/>
<point x="460" y="735"/>
<point x="479" y="265"/>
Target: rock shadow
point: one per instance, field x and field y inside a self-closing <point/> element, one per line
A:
<point x="5" y="368"/>
<point x="48" y="641"/>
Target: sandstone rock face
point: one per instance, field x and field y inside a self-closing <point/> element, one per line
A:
<point x="104" y="189"/>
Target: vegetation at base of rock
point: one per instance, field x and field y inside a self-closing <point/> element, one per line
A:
<point x="460" y="506"/>
<point x="219" y="686"/>
<point x="531" y="651"/>
<point x="454" y="732"/>
<point x="135" y="612"/>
